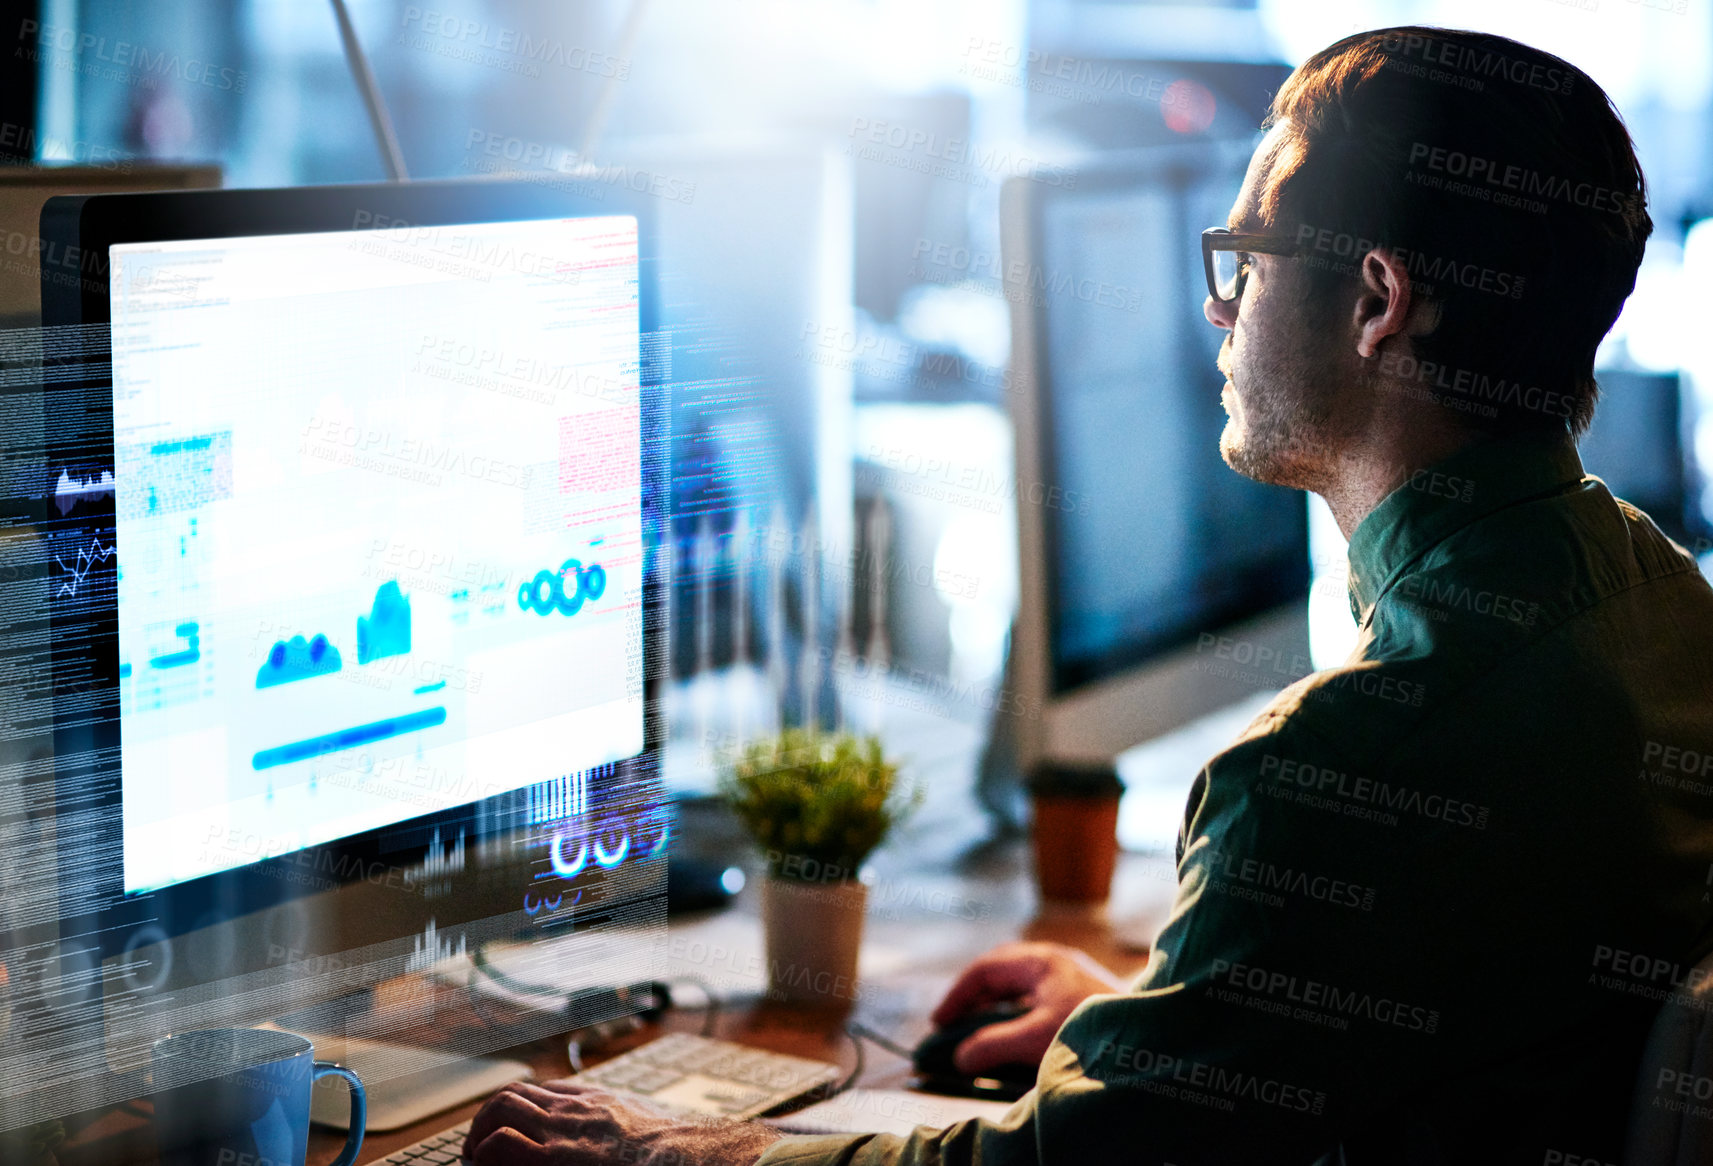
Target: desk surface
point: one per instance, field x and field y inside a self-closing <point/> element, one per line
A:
<point x="923" y="926"/>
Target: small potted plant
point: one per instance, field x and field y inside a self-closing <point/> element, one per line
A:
<point x="817" y="805"/>
<point x="32" y="1145"/>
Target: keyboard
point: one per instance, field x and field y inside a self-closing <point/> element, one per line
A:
<point x="680" y="1073"/>
<point x="440" y="1149"/>
<point x="689" y="1074"/>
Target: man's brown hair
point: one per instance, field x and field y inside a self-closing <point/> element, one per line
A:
<point x="1507" y="183"/>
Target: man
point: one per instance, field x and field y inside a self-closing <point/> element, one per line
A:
<point x="1430" y="899"/>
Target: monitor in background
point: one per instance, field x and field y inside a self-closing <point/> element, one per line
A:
<point x="351" y="575"/>
<point x="1641" y="445"/>
<point x="1157" y="584"/>
<point x="25" y="188"/>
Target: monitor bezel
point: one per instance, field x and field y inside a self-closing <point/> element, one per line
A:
<point x="77" y="232"/>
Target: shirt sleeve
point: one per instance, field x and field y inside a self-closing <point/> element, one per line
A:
<point x="1227" y="1048"/>
<point x="1007" y="1142"/>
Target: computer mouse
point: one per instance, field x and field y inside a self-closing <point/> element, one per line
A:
<point x="937" y="1073"/>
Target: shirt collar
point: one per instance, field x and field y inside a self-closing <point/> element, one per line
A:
<point x="1436" y="502"/>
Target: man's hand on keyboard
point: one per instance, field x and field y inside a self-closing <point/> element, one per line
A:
<point x="561" y="1123"/>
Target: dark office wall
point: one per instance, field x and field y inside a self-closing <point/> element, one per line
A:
<point x="19" y="87"/>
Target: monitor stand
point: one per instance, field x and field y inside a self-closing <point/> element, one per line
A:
<point x="1157" y="777"/>
<point x="403" y="1083"/>
<point x="1158" y="774"/>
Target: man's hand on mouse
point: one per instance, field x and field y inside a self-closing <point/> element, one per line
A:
<point x="1050" y="979"/>
<point x="563" y="1123"/>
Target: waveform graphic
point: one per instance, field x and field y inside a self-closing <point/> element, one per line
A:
<point x="69" y="491"/>
<point x="429" y="949"/>
<point x="298" y="659"/>
<point x="440" y="862"/>
<point x="86" y="561"/>
<point x="385" y="631"/>
<point x="565" y="796"/>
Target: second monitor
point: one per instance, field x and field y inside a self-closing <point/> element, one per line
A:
<point x="1148" y="564"/>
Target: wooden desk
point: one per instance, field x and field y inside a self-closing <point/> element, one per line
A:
<point x="925" y="923"/>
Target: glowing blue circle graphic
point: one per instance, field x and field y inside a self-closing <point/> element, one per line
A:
<point x="569" y="604"/>
<point x="561" y="867"/>
<point x="609" y="860"/>
<point x="564" y="591"/>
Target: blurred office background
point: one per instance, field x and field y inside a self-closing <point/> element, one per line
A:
<point x="829" y="174"/>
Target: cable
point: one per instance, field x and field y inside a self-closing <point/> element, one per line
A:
<point x="658" y="994"/>
<point x="857" y="1028"/>
<point x="610" y="91"/>
<point x="710" y="1011"/>
<point x="853" y="1032"/>
<point x="379" y="120"/>
<point x="477" y="1005"/>
<point x="480" y="961"/>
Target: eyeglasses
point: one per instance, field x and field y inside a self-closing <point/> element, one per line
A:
<point x="1225" y="254"/>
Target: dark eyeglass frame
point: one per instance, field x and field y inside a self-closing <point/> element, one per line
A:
<point x="1222" y="239"/>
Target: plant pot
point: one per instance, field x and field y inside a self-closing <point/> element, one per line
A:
<point x="1076" y="845"/>
<point x="813" y="934"/>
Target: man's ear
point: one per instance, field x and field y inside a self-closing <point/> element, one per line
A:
<point x="1388" y="305"/>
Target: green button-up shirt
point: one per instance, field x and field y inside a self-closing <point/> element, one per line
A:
<point x="1429" y="901"/>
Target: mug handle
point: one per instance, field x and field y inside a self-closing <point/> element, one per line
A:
<point x="359" y="1110"/>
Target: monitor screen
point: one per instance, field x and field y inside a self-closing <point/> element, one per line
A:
<point x="1637" y="445"/>
<point x="378" y="518"/>
<point x="1156" y="538"/>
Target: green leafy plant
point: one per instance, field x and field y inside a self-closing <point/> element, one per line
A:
<point x="816" y="804"/>
<point x="32" y="1145"/>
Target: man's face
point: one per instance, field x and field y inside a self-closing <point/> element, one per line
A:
<point x="1281" y="356"/>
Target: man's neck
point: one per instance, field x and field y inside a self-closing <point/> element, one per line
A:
<point x="1371" y="469"/>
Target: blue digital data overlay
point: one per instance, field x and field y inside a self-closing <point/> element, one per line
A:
<point x="189" y="654"/>
<point x="563" y="591"/>
<point x="85" y="561"/>
<point x="325" y="743"/>
<point x="298" y="659"/>
<point x="385" y="631"/>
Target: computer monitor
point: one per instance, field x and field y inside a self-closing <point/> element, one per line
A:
<point x="1157" y="584"/>
<point x="1641" y="444"/>
<point x="350" y="563"/>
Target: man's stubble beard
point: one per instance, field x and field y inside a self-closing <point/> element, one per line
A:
<point x="1287" y="417"/>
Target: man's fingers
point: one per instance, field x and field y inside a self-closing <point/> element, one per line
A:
<point x="1023" y="1040"/>
<point x="507" y="1108"/>
<point x="506" y="1147"/>
<point x="1004" y="974"/>
<point x="540" y="1094"/>
<point x="571" y="1086"/>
